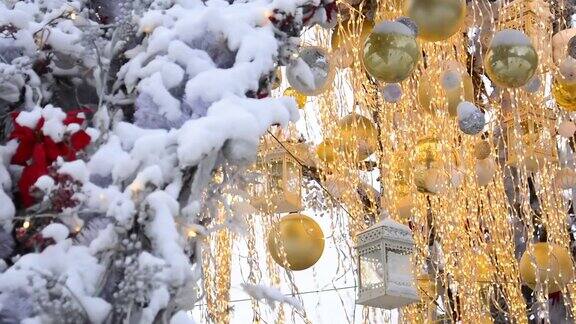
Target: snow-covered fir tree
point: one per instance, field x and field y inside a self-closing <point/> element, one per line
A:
<point x="115" y="116"/>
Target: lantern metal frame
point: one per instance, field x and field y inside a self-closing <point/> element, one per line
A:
<point x="380" y="242"/>
<point x="279" y="189"/>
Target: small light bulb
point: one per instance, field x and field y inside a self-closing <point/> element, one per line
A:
<point x="26" y="224"/>
<point x="192" y="233"/>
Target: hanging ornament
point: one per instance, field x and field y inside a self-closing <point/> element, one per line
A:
<point x="311" y="72"/>
<point x="342" y="47"/>
<point x="568" y="70"/>
<point x="482" y="150"/>
<point x="470" y="119"/>
<point x="391" y="52"/>
<point x="567" y="129"/>
<point x="564" y="94"/>
<point x="326" y="151"/>
<point x="485" y="171"/>
<point x="300" y="98"/>
<point x="549" y="263"/>
<point x="410" y="23"/>
<point x="511" y="60"/>
<point x="450" y="80"/>
<point x="533" y="85"/>
<point x="432" y="180"/>
<point x="404" y="206"/>
<point x="566" y="179"/>
<point x="445" y="90"/>
<point x="572" y="47"/>
<point x="359" y="136"/>
<point x="437" y="19"/>
<point x="427" y="151"/>
<point x="299" y="238"/>
<point x="392" y="92"/>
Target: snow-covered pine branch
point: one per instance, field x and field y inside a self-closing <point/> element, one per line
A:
<point x="121" y="114"/>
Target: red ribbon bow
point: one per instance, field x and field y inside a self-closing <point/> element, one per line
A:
<point x="36" y="151"/>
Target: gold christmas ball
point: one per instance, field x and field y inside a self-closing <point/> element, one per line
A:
<point x="565" y="93"/>
<point x="432" y="95"/>
<point x="339" y="40"/>
<point x="511" y="61"/>
<point x="298" y="240"/>
<point x="482" y="150"/>
<point x="437" y="19"/>
<point x="547" y="262"/>
<point x="359" y="135"/>
<point x="300" y="98"/>
<point x="326" y="151"/>
<point x="427" y="151"/>
<point x="391" y="52"/>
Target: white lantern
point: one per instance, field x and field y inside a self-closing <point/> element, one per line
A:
<point x="384" y="266"/>
<point x="278" y="187"/>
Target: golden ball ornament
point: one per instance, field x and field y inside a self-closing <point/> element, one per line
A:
<point x="391" y="52"/>
<point x="296" y="240"/>
<point x="437" y="19"/>
<point x="546" y="262"/>
<point x="511" y="61"/>
<point x="564" y="93"/>
<point x="359" y="135"/>
<point x="482" y="150"/>
<point x="327" y="151"/>
<point x="432" y="95"/>
<point x="427" y="151"/>
<point x="300" y="98"/>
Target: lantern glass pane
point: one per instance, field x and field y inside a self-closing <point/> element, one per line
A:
<point x="371" y="270"/>
<point x="275" y="181"/>
<point x="292" y="176"/>
<point x="399" y="270"/>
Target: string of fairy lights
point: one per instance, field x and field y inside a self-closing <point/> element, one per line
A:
<point x="445" y="136"/>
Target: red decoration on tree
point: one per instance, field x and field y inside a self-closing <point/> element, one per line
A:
<point x="36" y="151"/>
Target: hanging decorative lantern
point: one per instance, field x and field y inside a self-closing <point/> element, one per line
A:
<point x="384" y="266"/>
<point x="546" y="262"/>
<point x="278" y="188"/>
<point x="530" y="137"/>
<point x="391" y="52"/>
<point x="296" y="242"/>
<point x="437" y="19"/>
<point x="511" y="61"/>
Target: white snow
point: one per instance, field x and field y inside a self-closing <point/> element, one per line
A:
<point x="76" y="169"/>
<point x="56" y="231"/>
<point x="270" y="295"/>
<point x="29" y="118"/>
<point x="510" y="37"/>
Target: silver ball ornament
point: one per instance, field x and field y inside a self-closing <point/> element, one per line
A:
<point x="410" y="23"/>
<point x="392" y="93"/>
<point x="533" y="85"/>
<point x="470" y="119"/>
<point x="311" y="72"/>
